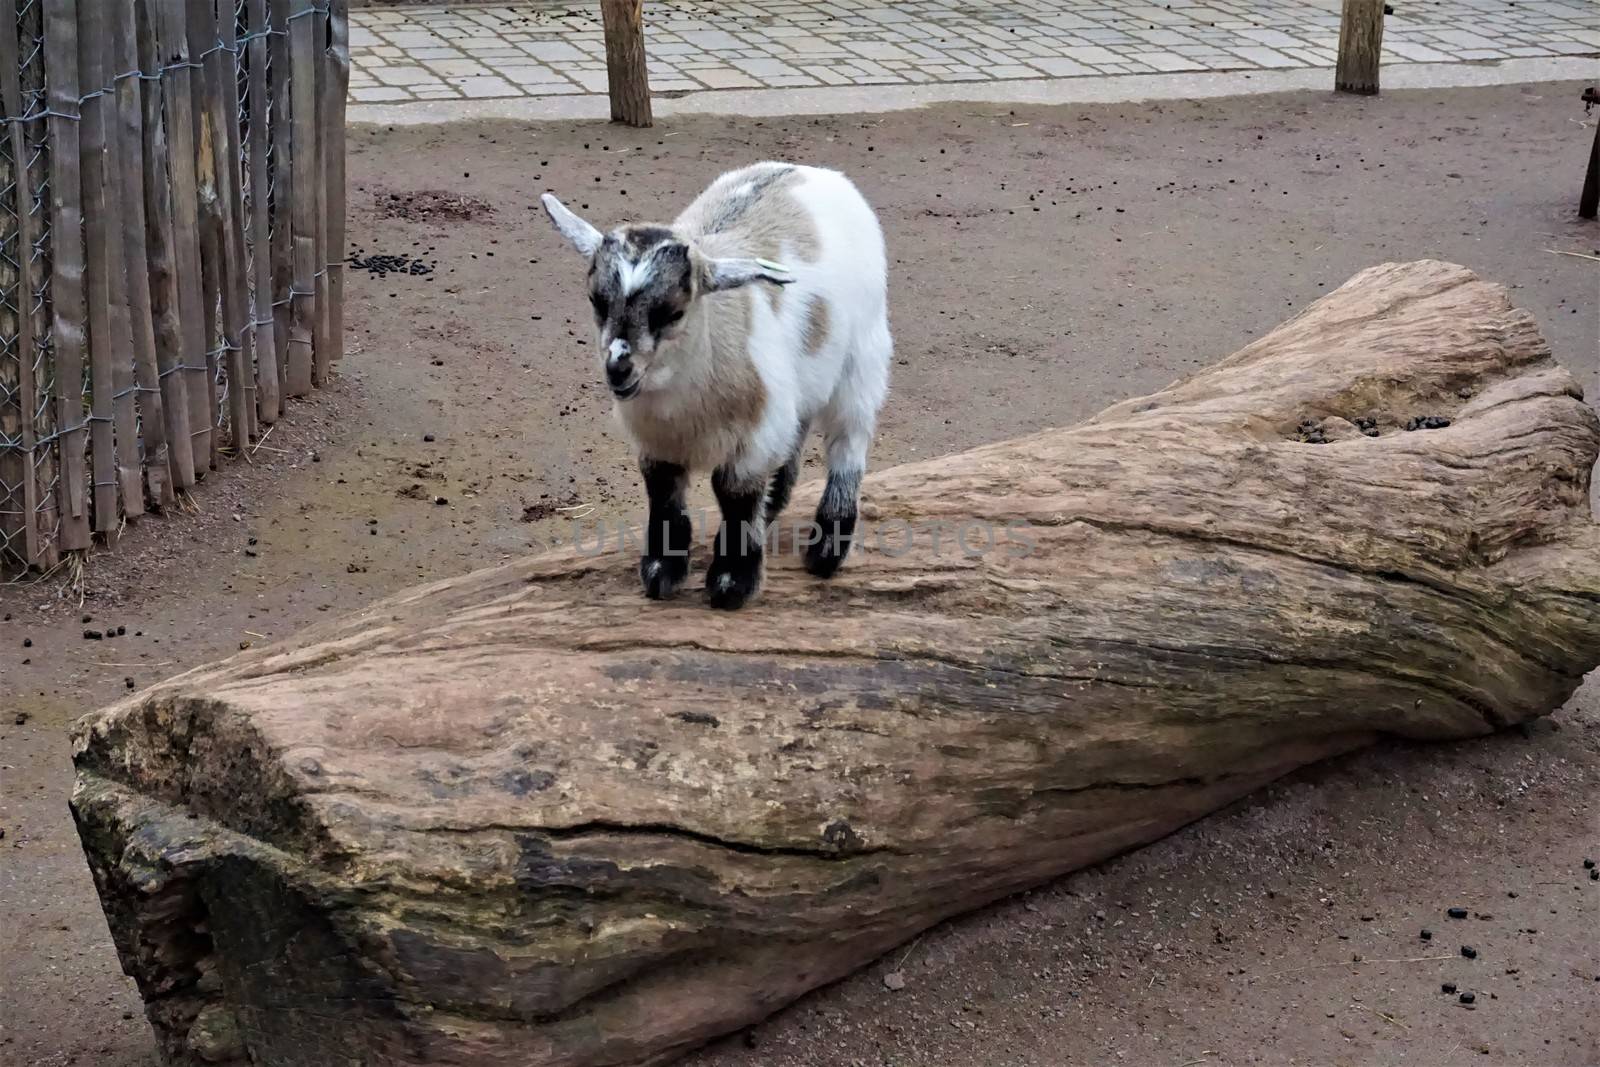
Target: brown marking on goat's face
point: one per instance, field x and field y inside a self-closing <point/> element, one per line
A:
<point x="818" y="318"/>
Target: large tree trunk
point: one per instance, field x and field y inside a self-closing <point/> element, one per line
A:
<point x="525" y="817"/>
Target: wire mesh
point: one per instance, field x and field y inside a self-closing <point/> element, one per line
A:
<point x="28" y="462"/>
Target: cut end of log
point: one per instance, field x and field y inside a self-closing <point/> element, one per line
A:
<point x="524" y="817"/>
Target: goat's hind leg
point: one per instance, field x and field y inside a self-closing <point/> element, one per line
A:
<point x="837" y="511"/>
<point x="783" y="480"/>
<point x="847" y="430"/>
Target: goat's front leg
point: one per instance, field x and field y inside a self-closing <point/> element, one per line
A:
<point x="667" y="531"/>
<point x="735" y="571"/>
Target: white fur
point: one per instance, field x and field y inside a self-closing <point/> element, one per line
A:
<point x="840" y="388"/>
<point x="636" y="273"/>
<point x="584" y="237"/>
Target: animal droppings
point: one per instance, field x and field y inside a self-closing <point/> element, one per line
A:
<point x="1427" y="422"/>
<point x="380" y="266"/>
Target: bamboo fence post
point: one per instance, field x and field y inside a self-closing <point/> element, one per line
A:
<point x="321" y="346"/>
<point x="104" y="351"/>
<point x="18" y="380"/>
<point x="160" y="249"/>
<point x="136" y="256"/>
<point x="334" y="86"/>
<point x="295" y="359"/>
<point x="303" y="200"/>
<point x="269" y="399"/>
<point x="627" y="73"/>
<point x="201" y="24"/>
<point x="224" y="90"/>
<point x="66" y="281"/>
<point x="124" y="402"/>
<point x="1360" y="46"/>
<point x="178" y="99"/>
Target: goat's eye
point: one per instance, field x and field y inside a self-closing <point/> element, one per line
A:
<point x="662" y="317"/>
<point x="601" y="305"/>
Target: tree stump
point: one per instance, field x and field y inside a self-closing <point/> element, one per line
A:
<point x="525" y="817"/>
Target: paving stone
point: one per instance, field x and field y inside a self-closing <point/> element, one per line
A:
<point x="1166" y="61"/>
<point x="1264" y="57"/>
<point x="726" y="78"/>
<point x="1009" y="73"/>
<point x="406" y="75"/>
<point x="1062" y="67"/>
<point x="485" y="87"/>
<point x="378" y="94"/>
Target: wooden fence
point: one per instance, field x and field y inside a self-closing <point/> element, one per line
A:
<point x="171" y="236"/>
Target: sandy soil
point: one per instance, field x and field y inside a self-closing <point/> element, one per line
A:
<point x="1046" y="262"/>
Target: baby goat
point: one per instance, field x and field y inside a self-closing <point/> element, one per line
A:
<point x="761" y="311"/>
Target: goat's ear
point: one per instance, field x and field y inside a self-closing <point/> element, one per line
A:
<point x="723" y="274"/>
<point x="584" y="237"/>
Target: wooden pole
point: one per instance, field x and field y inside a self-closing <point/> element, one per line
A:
<point x="302" y="204"/>
<point x="317" y="193"/>
<point x="294" y="361"/>
<point x="125" y="399"/>
<point x="223" y="88"/>
<point x="136" y="257"/>
<point x="201" y="26"/>
<point x="333" y="90"/>
<point x="1360" y="45"/>
<point x="625" y="61"/>
<point x="68" y="332"/>
<point x="269" y="401"/>
<point x="105" y="351"/>
<point x="178" y="95"/>
<point x="161" y="250"/>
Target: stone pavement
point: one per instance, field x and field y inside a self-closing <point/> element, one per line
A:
<point x="538" y="48"/>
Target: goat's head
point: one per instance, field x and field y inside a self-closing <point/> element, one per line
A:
<point x="645" y="285"/>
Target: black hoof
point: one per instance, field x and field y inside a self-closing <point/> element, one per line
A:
<point x="730" y="583"/>
<point x="661" y="575"/>
<point x="824" y="557"/>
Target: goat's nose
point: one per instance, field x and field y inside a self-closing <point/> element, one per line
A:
<point x="619" y="369"/>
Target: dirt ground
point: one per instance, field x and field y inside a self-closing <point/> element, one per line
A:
<point x="1045" y="263"/>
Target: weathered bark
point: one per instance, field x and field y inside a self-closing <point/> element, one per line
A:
<point x="1360" y="47"/>
<point x="526" y="817"/>
<point x="627" y="68"/>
